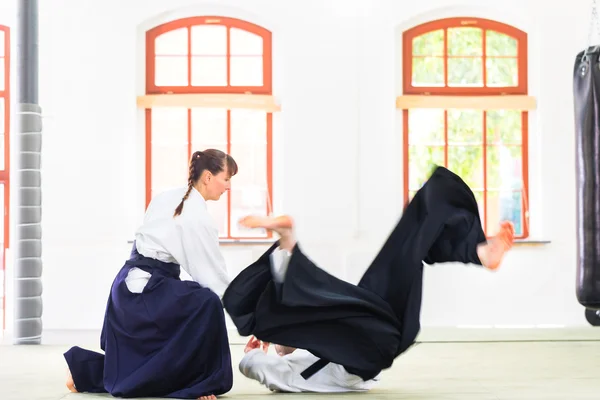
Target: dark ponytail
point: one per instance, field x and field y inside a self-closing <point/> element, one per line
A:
<point x="212" y="160"/>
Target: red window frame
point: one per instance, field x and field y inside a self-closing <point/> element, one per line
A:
<point x="5" y="173"/>
<point x="519" y="89"/>
<point x="265" y="89"/>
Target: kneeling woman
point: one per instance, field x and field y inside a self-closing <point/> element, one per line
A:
<point x="164" y="337"/>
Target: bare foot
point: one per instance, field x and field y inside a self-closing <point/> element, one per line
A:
<point x="71" y="383"/>
<point x="492" y="253"/>
<point x="283" y="225"/>
<point x="211" y="397"/>
<point x="276" y="224"/>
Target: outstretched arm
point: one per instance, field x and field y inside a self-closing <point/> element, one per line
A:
<point x="203" y="259"/>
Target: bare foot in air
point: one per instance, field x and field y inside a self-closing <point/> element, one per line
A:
<point x="211" y="397"/>
<point x="71" y="383"/>
<point x="277" y="224"/>
<point x="283" y="225"/>
<point x="492" y="253"/>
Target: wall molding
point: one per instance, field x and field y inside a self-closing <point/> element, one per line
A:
<point x="91" y="338"/>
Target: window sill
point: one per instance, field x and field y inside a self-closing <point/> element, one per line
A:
<point x="250" y="242"/>
<point x="239" y="242"/>
<point x="531" y="242"/>
<point x="246" y="242"/>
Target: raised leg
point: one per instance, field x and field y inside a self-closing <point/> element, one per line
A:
<point x="441" y="224"/>
<point x="492" y="252"/>
<point x="283" y="225"/>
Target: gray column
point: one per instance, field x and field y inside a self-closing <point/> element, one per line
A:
<point x="26" y="187"/>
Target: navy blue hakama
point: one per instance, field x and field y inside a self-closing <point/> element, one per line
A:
<point x="168" y="341"/>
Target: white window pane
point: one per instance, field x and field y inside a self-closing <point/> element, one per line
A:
<point x="169" y="148"/>
<point x="249" y="186"/>
<point x="209" y="128"/>
<point x="249" y="126"/>
<point x="2" y="115"/>
<point x="209" y="71"/>
<point x="169" y="126"/>
<point x="1" y="43"/>
<point x="252" y="162"/>
<point x="1" y="221"/>
<point x="209" y="40"/>
<point x="171" y="71"/>
<point x="2" y="294"/>
<point x="2" y="72"/>
<point x="218" y="211"/>
<point x="172" y="43"/>
<point x="246" y="71"/>
<point x="426" y="126"/>
<point x="2" y="147"/>
<point x="247" y="201"/>
<point x="2" y="133"/>
<point x="244" y="43"/>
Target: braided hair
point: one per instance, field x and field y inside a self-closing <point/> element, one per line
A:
<point x="212" y="160"/>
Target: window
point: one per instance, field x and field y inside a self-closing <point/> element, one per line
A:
<point x="211" y="56"/>
<point x="4" y="159"/>
<point x="466" y="70"/>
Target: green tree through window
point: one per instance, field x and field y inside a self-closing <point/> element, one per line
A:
<point x="487" y="148"/>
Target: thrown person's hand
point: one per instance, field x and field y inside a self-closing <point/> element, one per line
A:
<point x="284" y="350"/>
<point x="254" y="343"/>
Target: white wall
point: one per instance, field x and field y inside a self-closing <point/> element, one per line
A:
<point x="338" y="150"/>
<point x="8" y="17"/>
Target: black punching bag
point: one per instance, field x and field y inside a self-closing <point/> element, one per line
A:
<point x="586" y="90"/>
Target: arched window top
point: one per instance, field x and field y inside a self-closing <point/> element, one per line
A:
<point x="208" y="54"/>
<point x="465" y="56"/>
<point x="209" y="20"/>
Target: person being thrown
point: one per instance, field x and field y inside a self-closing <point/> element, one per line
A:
<point x="334" y="336"/>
